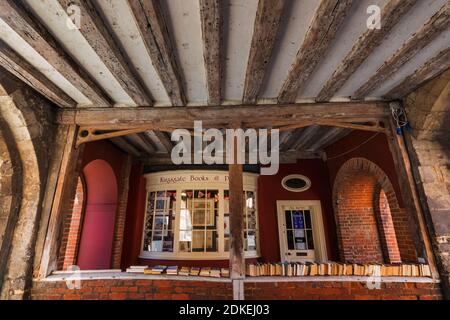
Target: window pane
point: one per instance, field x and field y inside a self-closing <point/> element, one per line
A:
<point x="310" y="238"/>
<point x="198" y="241"/>
<point x="251" y="241"/>
<point x="168" y="241"/>
<point x="297" y="219"/>
<point x="307" y="219"/>
<point x="211" y="241"/>
<point x="290" y="239"/>
<point x="287" y="215"/>
<point x="200" y="213"/>
<point x="300" y="243"/>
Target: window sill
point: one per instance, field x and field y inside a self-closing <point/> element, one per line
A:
<point x="192" y="256"/>
<point x="117" y="274"/>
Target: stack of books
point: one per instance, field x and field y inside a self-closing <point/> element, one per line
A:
<point x="172" y="270"/>
<point x="195" y="271"/>
<point x="225" y="272"/>
<point x="215" y="273"/>
<point x="184" y="271"/>
<point x="336" y="269"/>
<point x="155" y="270"/>
<point x="205" y="272"/>
<point x="136" y="269"/>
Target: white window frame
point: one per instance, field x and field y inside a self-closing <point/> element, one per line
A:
<point x="153" y="185"/>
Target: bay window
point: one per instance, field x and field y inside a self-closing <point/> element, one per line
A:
<point x="187" y="215"/>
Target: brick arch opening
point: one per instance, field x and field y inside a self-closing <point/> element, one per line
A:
<point x="72" y="226"/>
<point x="371" y="225"/>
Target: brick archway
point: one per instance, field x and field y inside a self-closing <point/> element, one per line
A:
<point x="372" y="227"/>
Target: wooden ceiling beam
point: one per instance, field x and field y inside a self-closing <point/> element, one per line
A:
<point x="267" y="22"/>
<point x="156" y="118"/>
<point x="211" y="20"/>
<point x="326" y="23"/>
<point x="364" y="46"/>
<point x="165" y="141"/>
<point x="23" y="70"/>
<point x="96" y="32"/>
<point x="139" y="140"/>
<point x="325" y="138"/>
<point x="125" y="146"/>
<point x="156" y="37"/>
<point x="27" y="27"/>
<point x="437" y="24"/>
<point x="305" y="137"/>
<point x="429" y="70"/>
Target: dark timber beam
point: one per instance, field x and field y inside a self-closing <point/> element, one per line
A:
<point x="325" y="25"/>
<point x="23" y="70"/>
<point x="60" y="194"/>
<point x="237" y="259"/>
<point x="268" y="115"/>
<point x="437" y="24"/>
<point x="364" y="46"/>
<point x="410" y="196"/>
<point x="211" y="33"/>
<point x="18" y="18"/>
<point x="156" y="37"/>
<point x="267" y="22"/>
<point x="96" y="33"/>
<point x="429" y="70"/>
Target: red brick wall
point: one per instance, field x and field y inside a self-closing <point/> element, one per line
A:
<point x="133" y="289"/>
<point x="358" y="232"/>
<point x="195" y="290"/>
<point x="356" y="194"/>
<point x="340" y="291"/>
<point x="386" y="226"/>
<point x="73" y="218"/>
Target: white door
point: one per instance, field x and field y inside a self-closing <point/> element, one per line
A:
<point x="300" y="231"/>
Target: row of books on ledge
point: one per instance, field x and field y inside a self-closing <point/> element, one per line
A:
<point x="336" y="269"/>
<point x="181" y="271"/>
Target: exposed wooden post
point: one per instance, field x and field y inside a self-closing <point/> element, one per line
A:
<point x="121" y="212"/>
<point x="66" y="181"/>
<point x="409" y="193"/>
<point x="237" y="259"/>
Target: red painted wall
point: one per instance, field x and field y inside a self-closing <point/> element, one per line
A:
<point x="99" y="219"/>
<point x="270" y="190"/>
<point x="101" y="197"/>
<point x="375" y="150"/>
